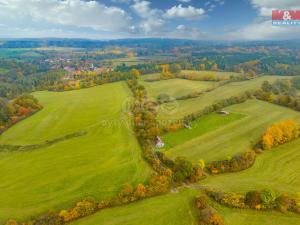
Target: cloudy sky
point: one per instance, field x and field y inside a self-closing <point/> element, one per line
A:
<point x="111" y="19"/>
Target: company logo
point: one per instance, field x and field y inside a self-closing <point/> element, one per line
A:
<point x="285" y="17"/>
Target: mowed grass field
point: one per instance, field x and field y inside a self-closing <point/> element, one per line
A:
<point x="232" y="138"/>
<point x="170" y="209"/>
<point x="218" y="74"/>
<point x="189" y="106"/>
<point x="277" y="169"/>
<point x="252" y="217"/>
<point x="199" y="127"/>
<point x="178" y="209"/>
<point x="97" y="164"/>
<point x="176" y="87"/>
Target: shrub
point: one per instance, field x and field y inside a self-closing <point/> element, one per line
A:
<point x="208" y="216"/>
<point x="201" y="202"/>
<point x="268" y="198"/>
<point x="183" y="169"/>
<point x="253" y="200"/>
<point x="284" y="203"/>
<point x="11" y="222"/>
<point x="50" y="218"/>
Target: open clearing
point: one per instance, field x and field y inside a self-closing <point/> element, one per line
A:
<point x="57" y="176"/>
<point x="253" y="217"/>
<point x="189" y="106"/>
<point x="219" y="74"/>
<point x="277" y="169"/>
<point x="170" y="209"/>
<point x="199" y="127"/>
<point x="235" y="137"/>
<point x="178" y="209"/>
<point x="176" y="87"/>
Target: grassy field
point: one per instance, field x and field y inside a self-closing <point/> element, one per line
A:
<point x="277" y="169"/>
<point x="199" y="127"/>
<point x="252" y="217"/>
<point x="186" y="107"/>
<point x="56" y="176"/>
<point x="178" y="209"/>
<point x="235" y="137"/>
<point x="130" y="61"/>
<point x="176" y="87"/>
<point x="170" y="209"/>
<point x="219" y="74"/>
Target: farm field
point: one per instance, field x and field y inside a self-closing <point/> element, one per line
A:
<point x="55" y="177"/>
<point x="199" y="127"/>
<point x="252" y="217"/>
<point x="173" y="209"/>
<point x="277" y="169"/>
<point x="235" y="137"/>
<point x="176" y="87"/>
<point x="170" y="209"/>
<point x="219" y="74"/>
<point x="189" y="106"/>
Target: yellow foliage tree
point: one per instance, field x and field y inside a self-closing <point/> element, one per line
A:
<point x="280" y="133"/>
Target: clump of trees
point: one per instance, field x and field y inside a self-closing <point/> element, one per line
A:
<point x="280" y="133"/>
<point x="236" y="163"/>
<point x="207" y="215"/>
<point x="89" y="79"/>
<point x="281" y="92"/>
<point x="14" y="110"/>
<point x="258" y="200"/>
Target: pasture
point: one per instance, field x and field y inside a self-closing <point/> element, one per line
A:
<point x="170" y="209"/>
<point x="234" y="137"/>
<point x="225" y="75"/>
<point x="178" y="209"/>
<point x="56" y="176"/>
<point x="189" y="106"/>
<point x="276" y="169"/>
<point x="176" y="87"/>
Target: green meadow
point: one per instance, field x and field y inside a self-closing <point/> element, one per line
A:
<point x="55" y="177"/>
<point x="176" y="87"/>
<point x="170" y="209"/>
<point x="277" y="169"/>
<point x="189" y="106"/>
<point x="178" y="209"/>
<point x="226" y="75"/>
<point x="231" y="138"/>
<point x="199" y="127"/>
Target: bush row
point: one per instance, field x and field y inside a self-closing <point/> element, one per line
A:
<point x="236" y="163"/>
<point x="259" y="200"/>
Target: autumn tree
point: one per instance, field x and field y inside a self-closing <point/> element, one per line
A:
<point x="202" y="66"/>
<point x="136" y="73"/>
<point x="214" y="67"/>
<point x="280" y="133"/>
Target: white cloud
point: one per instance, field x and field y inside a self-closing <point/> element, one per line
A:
<point x="77" y="13"/>
<point x="151" y="18"/>
<point x="179" y="11"/>
<point x="264" y="31"/>
<point x="180" y="27"/>
<point x="265" y="7"/>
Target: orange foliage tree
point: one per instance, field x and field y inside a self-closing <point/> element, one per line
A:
<point x="280" y="133"/>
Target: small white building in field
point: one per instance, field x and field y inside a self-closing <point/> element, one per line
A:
<point x="159" y="143"/>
